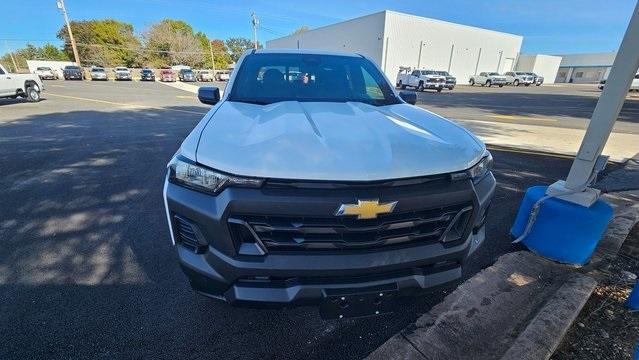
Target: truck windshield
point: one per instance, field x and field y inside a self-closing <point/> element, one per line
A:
<point x="493" y="74"/>
<point x="270" y="78"/>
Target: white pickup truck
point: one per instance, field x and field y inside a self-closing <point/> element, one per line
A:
<point x="488" y="79"/>
<point x="420" y="79"/>
<point x="27" y="86"/>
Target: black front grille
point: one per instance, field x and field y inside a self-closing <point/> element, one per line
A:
<point x="186" y="233"/>
<point x="292" y="233"/>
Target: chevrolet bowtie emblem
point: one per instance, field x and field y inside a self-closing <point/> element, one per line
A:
<point x="366" y="209"/>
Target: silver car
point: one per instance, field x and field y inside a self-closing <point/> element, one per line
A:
<point x="122" y="73"/>
<point x="519" y="78"/>
<point x="98" y="73"/>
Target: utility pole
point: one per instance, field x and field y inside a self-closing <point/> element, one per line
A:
<point x="212" y="57"/>
<point x="255" y="22"/>
<point x="501" y="53"/>
<point x="13" y="60"/>
<point x="60" y="4"/>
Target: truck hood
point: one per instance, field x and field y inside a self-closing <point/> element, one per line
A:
<point x="333" y="141"/>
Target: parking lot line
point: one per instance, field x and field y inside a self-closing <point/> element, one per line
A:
<point x="135" y="106"/>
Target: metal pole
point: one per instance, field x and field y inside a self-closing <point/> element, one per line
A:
<point x="478" y="58"/>
<point x="419" y="59"/>
<point x="255" y="22"/>
<point x="212" y="57"/>
<point x="608" y="107"/>
<point x="450" y="59"/>
<point x="501" y="53"/>
<point x="66" y="20"/>
<point x="13" y="60"/>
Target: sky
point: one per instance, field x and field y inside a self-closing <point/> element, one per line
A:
<point x="548" y="26"/>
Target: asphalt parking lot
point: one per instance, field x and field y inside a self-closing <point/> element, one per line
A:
<point x="87" y="269"/>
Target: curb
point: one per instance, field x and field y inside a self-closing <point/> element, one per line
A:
<point x="519" y="308"/>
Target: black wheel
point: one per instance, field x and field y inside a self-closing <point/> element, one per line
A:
<point x="439" y="90"/>
<point x="526" y="84"/>
<point x="472" y="82"/>
<point x="402" y="86"/>
<point x="33" y="93"/>
<point x="537" y="84"/>
<point x="501" y="85"/>
<point x="488" y="83"/>
<point x="420" y="87"/>
<point x="516" y="82"/>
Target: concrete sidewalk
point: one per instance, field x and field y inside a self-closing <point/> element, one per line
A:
<point x="620" y="146"/>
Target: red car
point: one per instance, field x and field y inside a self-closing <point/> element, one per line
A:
<point x="167" y="75"/>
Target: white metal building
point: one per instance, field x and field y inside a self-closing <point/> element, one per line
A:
<point x="585" y="68"/>
<point x="544" y="65"/>
<point x="394" y="39"/>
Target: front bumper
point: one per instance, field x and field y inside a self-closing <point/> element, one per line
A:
<point x="289" y="278"/>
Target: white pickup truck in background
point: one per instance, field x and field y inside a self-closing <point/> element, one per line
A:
<point x="420" y="79"/>
<point x="488" y="79"/>
<point x="27" y="86"/>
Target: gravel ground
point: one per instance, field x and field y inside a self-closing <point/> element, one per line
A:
<point x="606" y="329"/>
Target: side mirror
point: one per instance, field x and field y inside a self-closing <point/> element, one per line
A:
<point x="408" y="96"/>
<point x="209" y="95"/>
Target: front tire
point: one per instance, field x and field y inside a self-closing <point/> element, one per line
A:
<point x="501" y="85"/>
<point x="420" y="86"/>
<point x="439" y="90"/>
<point x="516" y="82"/>
<point x="489" y="83"/>
<point x="33" y="93"/>
<point x="472" y="82"/>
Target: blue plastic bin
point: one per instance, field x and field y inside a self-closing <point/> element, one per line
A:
<point x="563" y="231"/>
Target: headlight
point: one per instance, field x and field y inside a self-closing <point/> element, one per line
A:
<point x="186" y="173"/>
<point x="478" y="171"/>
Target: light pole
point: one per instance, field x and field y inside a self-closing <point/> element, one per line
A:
<point x="255" y="22"/>
<point x="501" y="53"/>
<point x="60" y="4"/>
<point x="419" y="59"/>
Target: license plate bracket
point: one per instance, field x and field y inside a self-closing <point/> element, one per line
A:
<point x="350" y="305"/>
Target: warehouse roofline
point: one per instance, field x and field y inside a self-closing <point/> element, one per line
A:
<point x="397" y="13"/>
<point x="451" y="23"/>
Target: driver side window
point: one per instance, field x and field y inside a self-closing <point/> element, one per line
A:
<point x="415" y="73"/>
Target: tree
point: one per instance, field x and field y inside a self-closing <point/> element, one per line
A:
<point x="172" y="42"/>
<point x="300" y="30"/>
<point x="237" y="46"/>
<point x="221" y="54"/>
<point x="103" y="42"/>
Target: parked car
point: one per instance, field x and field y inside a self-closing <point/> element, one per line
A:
<point x="166" y="75"/>
<point x="98" y="73"/>
<point x="633" y="86"/>
<point x="46" y="73"/>
<point x="122" y="73"/>
<point x="26" y="86"/>
<point x="537" y="79"/>
<point x="204" y="75"/>
<point x="321" y="188"/>
<point x="517" y="78"/>
<point x="488" y="79"/>
<point x="420" y="79"/>
<point x="186" y="75"/>
<point x="72" y="72"/>
<point x="147" y="75"/>
<point x="451" y="81"/>
<point x="223" y="75"/>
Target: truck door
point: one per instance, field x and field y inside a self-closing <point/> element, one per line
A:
<point x="6" y="83"/>
<point x="414" y="78"/>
